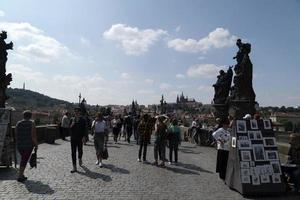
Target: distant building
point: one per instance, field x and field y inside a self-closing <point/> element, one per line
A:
<point x="184" y="100"/>
<point x="280" y="117"/>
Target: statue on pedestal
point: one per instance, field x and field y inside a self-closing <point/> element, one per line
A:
<point x="4" y="79"/>
<point x="239" y="99"/>
<point x="242" y="97"/>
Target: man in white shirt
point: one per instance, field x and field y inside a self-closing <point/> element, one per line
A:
<point x="221" y="135"/>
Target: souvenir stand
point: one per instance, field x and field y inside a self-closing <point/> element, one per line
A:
<point x="7" y="145"/>
<point x="253" y="164"/>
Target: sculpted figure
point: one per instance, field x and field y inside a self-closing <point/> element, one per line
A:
<point x="3" y="52"/>
<point x="222" y="86"/>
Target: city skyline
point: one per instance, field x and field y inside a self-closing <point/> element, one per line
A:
<point x="114" y="51"/>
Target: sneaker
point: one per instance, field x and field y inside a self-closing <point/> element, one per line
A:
<point x="80" y="162"/>
<point x="22" y="179"/>
<point x="100" y="164"/>
<point x="155" y="163"/>
<point x="139" y="160"/>
<point x="162" y="164"/>
<point x="73" y="170"/>
<point x="170" y="163"/>
<point x="145" y="161"/>
<point x="97" y="163"/>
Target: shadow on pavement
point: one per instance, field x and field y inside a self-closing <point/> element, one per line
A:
<point x="87" y="144"/>
<point x="116" y="169"/>
<point x="194" y="167"/>
<point x="181" y="171"/>
<point x="189" y="147"/>
<point x="188" y="151"/>
<point x="126" y="144"/>
<point x="113" y="146"/>
<point x="8" y="173"/>
<point x="38" y="187"/>
<point x="94" y="175"/>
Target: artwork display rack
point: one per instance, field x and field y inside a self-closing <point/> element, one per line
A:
<point x="7" y="146"/>
<point x="253" y="164"/>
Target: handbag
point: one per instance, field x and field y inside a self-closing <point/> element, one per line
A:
<point x="105" y="152"/>
<point x="33" y="157"/>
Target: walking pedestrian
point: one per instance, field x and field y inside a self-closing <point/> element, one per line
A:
<point x="26" y="140"/>
<point x="78" y="137"/>
<point x="160" y="141"/>
<point x="221" y="135"/>
<point x="99" y="130"/>
<point x="65" y="125"/>
<point x="129" y="124"/>
<point x="174" y="140"/>
<point x="115" y="128"/>
<point x="144" y="130"/>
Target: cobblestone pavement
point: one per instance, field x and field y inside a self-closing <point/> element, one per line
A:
<point x="121" y="178"/>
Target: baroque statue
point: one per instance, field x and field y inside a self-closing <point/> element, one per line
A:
<point x="4" y="79"/>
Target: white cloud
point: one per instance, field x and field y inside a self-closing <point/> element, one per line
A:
<point x="32" y="43"/>
<point x="149" y="81"/>
<point x="85" y="41"/>
<point x="125" y="75"/>
<point x="2" y="13"/>
<point x="180" y="76"/>
<point x="164" y="86"/>
<point x="203" y="70"/>
<point x="133" y="40"/>
<point x="21" y="72"/>
<point x="178" y="28"/>
<point x="219" y="38"/>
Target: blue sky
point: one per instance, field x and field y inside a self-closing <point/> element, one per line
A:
<point x="114" y="51"/>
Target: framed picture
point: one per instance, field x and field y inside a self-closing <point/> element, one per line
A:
<point x="246" y="179"/>
<point x="269" y="170"/>
<point x="253" y="124"/>
<point x="244" y="164"/>
<point x="251" y="135"/>
<point x="258" y="135"/>
<point x="246" y="155"/>
<point x="233" y="142"/>
<point x="241" y="126"/>
<point x="272" y="155"/>
<point x="258" y="152"/>
<point x="265" y="178"/>
<point x="269" y="142"/>
<point x="267" y="124"/>
<point x="276" y="178"/>
<point x="245" y="172"/>
<point x="253" y="171"/>
<point x="243" y="137"/>
<point x="244" y="144"/>
<point x="276" y="167"/>
<point x="255" y="180"/>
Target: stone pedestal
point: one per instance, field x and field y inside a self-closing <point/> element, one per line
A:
<point x="221" y="111"/>
<point x="239" y="108"/>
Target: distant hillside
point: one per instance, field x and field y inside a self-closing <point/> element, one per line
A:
<point x="28" y="98"/>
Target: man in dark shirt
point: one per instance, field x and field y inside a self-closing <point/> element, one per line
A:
<point x="78" y="137"/>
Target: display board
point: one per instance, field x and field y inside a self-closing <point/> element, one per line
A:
<point x="253" y="164"/>
<point x="4" y="134"/>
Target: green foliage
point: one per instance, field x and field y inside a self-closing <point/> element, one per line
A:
<point x="288" y="125"/>
<point x="27" y="99"/>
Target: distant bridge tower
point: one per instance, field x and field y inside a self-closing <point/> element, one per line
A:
<point x="24" y="86"/>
